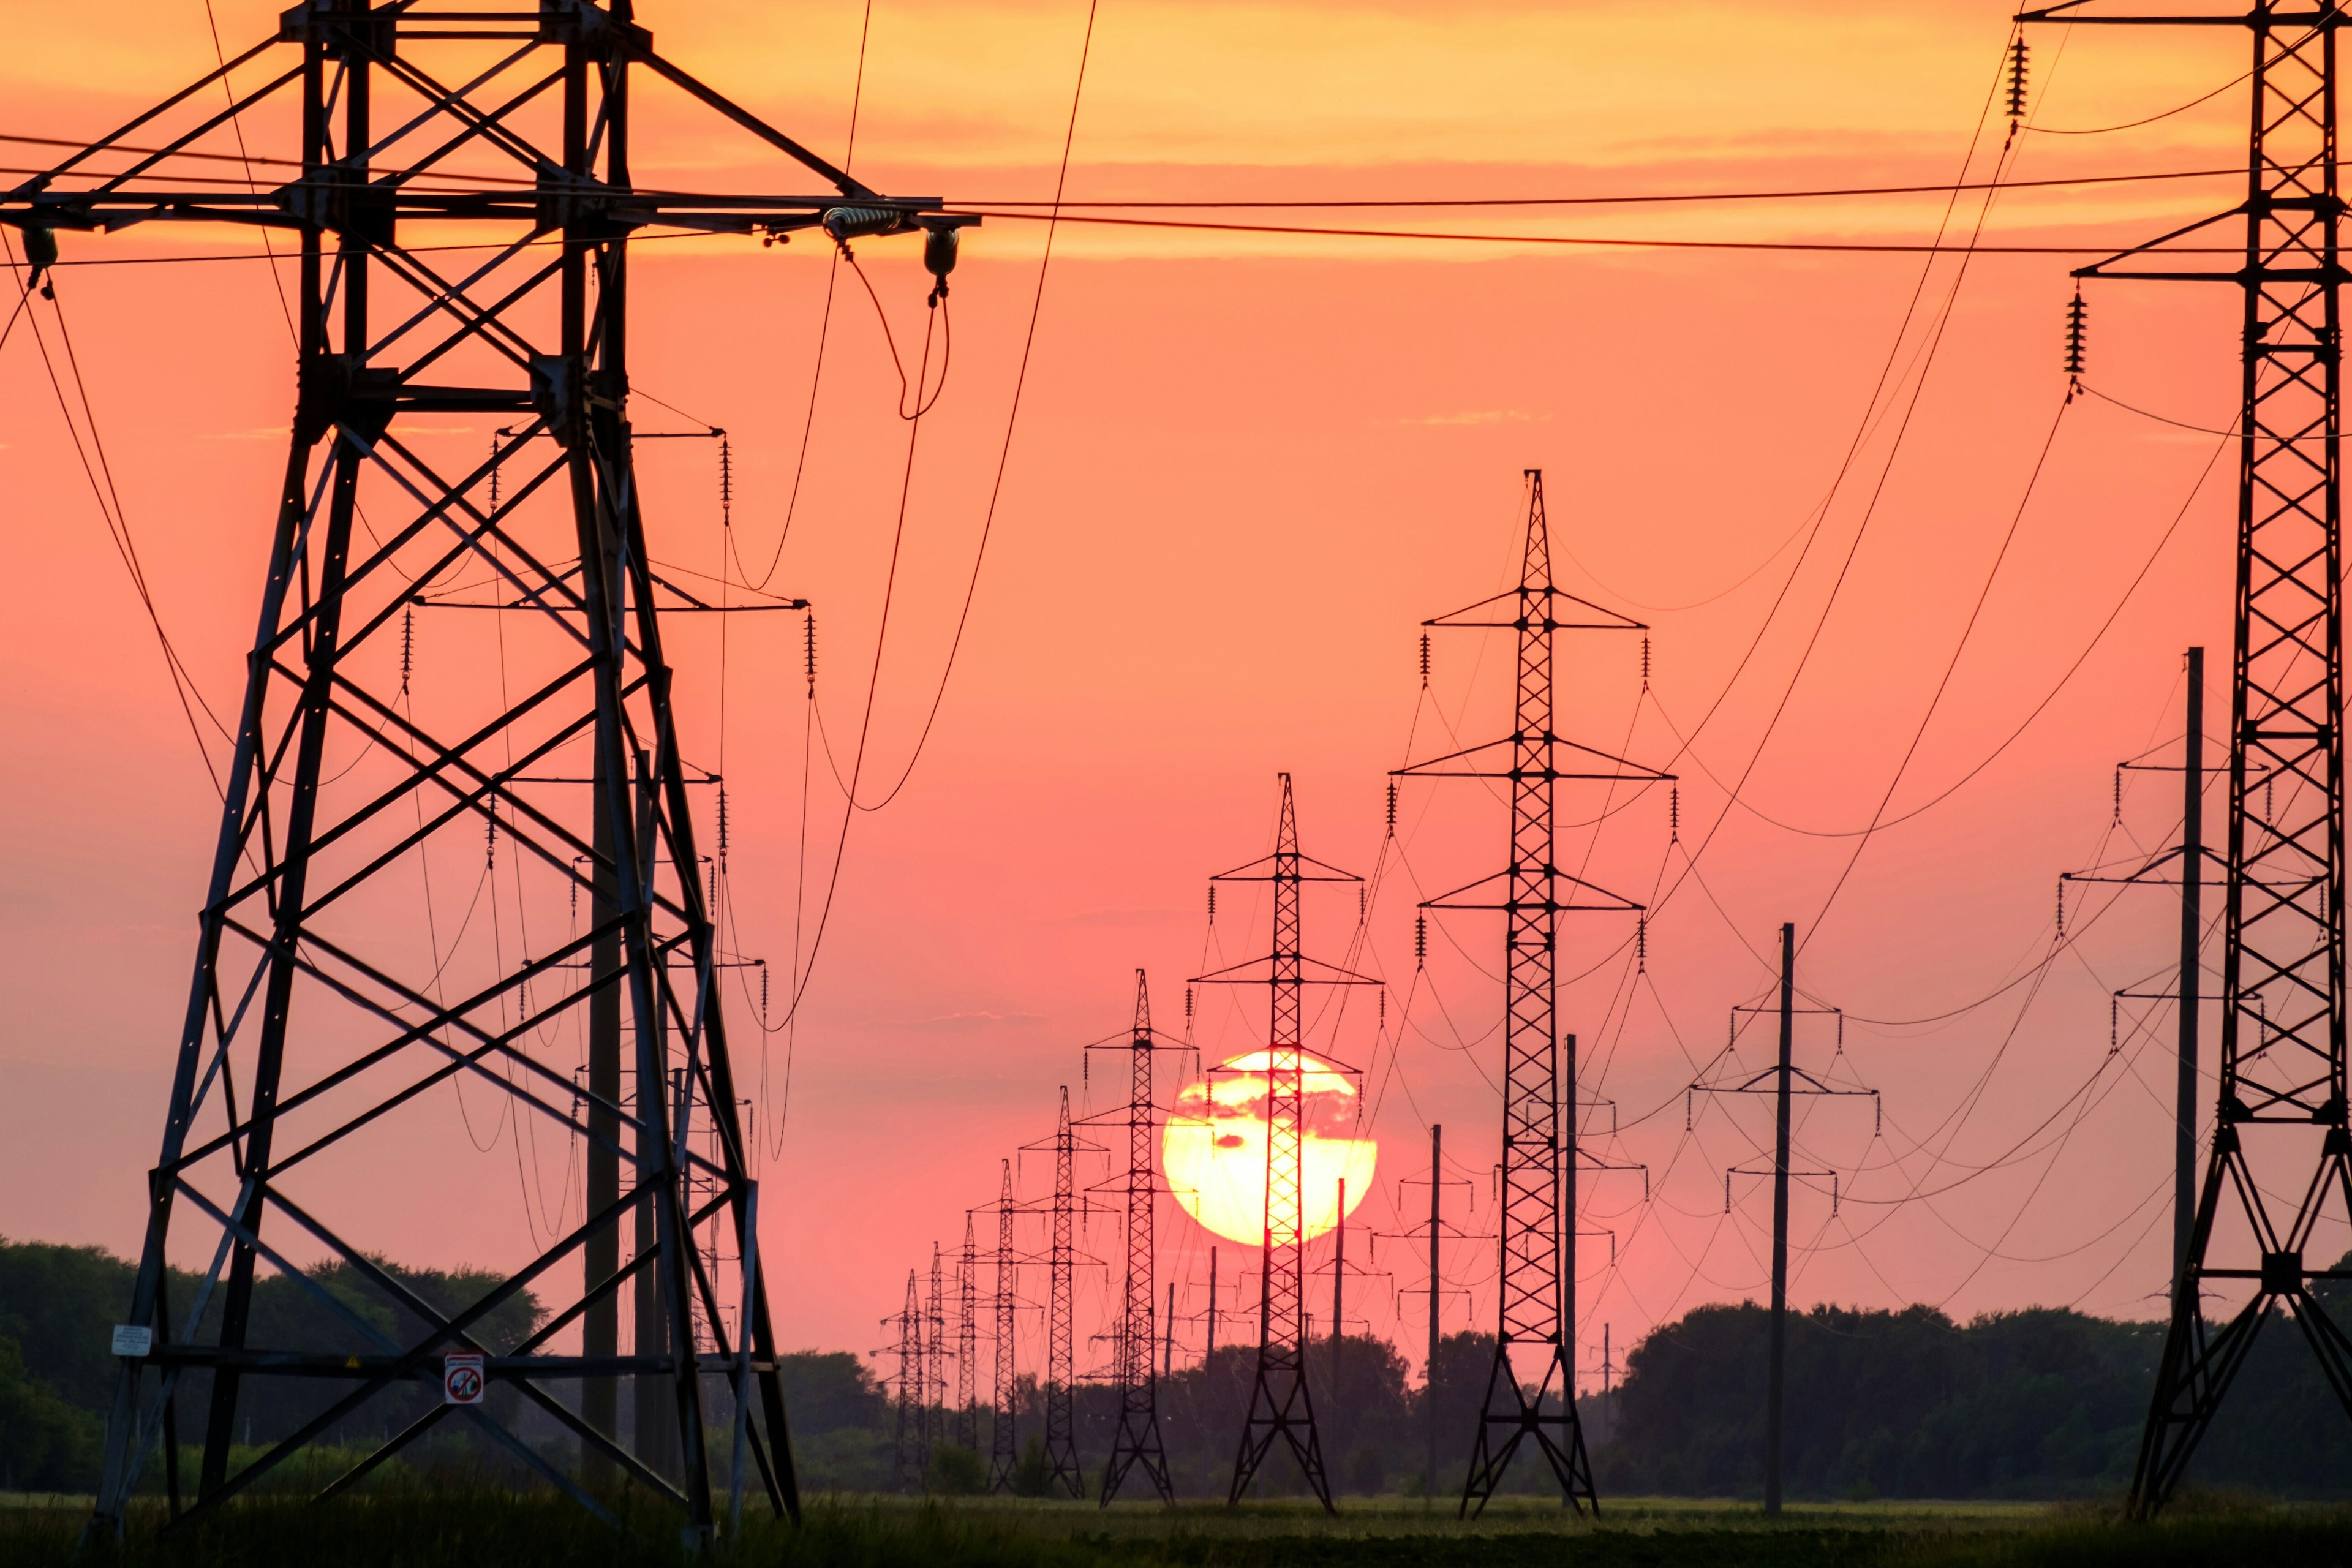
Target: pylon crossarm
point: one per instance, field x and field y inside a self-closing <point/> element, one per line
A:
<point x="1264" y="970"/>
<point x="1614" y="903"/>
<point x="41" y="181"/>
<point x="1628" y="772"/>
<point x="236" y="106"/>
<point x="643" y="52"/>
<point x="2098" y="268"/>
<point x="2068" y="12"/>
<point x="1518" y="599"/>
<point x="1799" y="1082"/>
<point x="1284" y="867"/>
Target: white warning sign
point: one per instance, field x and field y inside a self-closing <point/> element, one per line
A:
<point x="462" y="1378"/>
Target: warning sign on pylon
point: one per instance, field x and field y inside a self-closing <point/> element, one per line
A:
<point x="462" y="1381"/>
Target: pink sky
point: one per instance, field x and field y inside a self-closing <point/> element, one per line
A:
<point x="1245" y="470"/>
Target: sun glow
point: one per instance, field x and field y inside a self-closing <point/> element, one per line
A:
<point x="1215" y="1148"/>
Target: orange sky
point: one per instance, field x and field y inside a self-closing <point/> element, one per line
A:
<point x="1245" y="468"/>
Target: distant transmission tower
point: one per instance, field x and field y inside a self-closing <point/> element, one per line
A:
<point x="1279" y="1406"/>
<point x="935" y="1358"/>
<point x="1136" y="1440"/>
<point x="2282" y="1150"/>
<point x="967" y="1418"/>
<point x="1061" y="1362"/>
<point x="912" y="1461"/>
<point x="1003" y="1446"/>
<point x="321" y="1020"/>
<point x="1538" y="1294"/>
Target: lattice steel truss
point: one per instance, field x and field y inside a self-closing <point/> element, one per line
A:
<point x="911" y="1453"/>
<point x="1136" y="1442"/>
<point x="1279" y="1406"/>
<point x="1004" y="1445"/>
<point x="1060" y="1388"/>
<point x="2282" y="1156"/>
<point x="967" y="1412"/>
<point x="935" y="1355"/>
<point x="1537" y="1283"/>
<point x="323" y="1017"/>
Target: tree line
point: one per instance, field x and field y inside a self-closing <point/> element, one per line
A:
<point x="2043" y="1403"/>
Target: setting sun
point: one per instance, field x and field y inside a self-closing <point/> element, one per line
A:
<point x="1215" y="1148"/>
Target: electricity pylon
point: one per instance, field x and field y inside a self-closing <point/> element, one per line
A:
<point x="912" y="1452"/>
<point x="1136" y="1440"/>
<point x="935" y="1356"/>
<point x="1003" y="1449"/>
<point x="1538" y="1294"/>
<point x="1060" y="1384"/>
<point x="322" y="1015"/>
<point x="1279" y="1406"/>
<point x="2282" y="1153"/>
<point x="967" y="1420"/>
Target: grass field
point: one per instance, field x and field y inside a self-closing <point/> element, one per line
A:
<point x="419" y="1527"/>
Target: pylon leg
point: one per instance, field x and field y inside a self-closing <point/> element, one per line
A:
<point x="1516" y="1419"/>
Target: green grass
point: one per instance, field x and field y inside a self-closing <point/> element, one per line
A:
<point x="420" y="1527"/>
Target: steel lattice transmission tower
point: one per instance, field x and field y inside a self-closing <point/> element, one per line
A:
<point x="1137" y="1441"/>
<point x="1279" y="1406"/>
<point x="935" y="1356"/>
<point x="321" y="1021"/>
<point x="967" y="1417"/>
<point x="2282" y="1157"/>
<point x="913" y="1460"/>
<point x="1537" y="1277"/>
<point x="1003" y="1447"/>
<point x="1060" y="1386"/>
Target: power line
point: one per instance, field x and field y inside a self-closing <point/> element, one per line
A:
<point x="1606" y="242"/>
<point x="1012" y="422"/>
<point x="110" y="509"/>
<point x="1625" y="199"/>
<point x="1645" y="199"/>
<point x="2135" y="124"/>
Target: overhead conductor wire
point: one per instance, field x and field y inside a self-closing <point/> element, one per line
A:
<point x="852" y="805"/>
